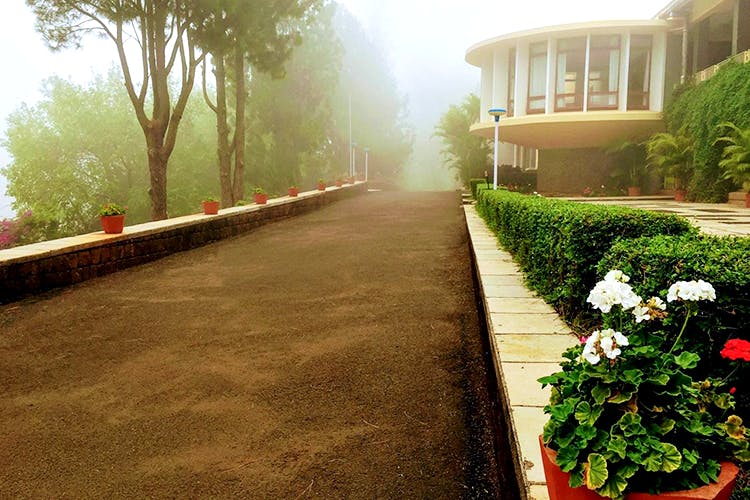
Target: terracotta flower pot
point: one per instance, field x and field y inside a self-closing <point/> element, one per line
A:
<point x="113" y="224"/>
<point x="339" y="184"/>
<point x="558" y="488"/>
<point x="352" y="180"/>
<point x="634" y="191"/>
<point x="261" y="199"/>
<point x="679" y="194"/>
<point x="321" y="186"/>
<point x="210" y="207"/>
<point x="747" y="199"/>
<point x="293" y="192"/>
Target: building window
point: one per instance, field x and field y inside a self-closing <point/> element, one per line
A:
<point x="639" y="72"/>
<point x="537" y="78"/>
<point x="604" y="72"/>
<point x="511" y="81"/>
<point x="571" y="65"/>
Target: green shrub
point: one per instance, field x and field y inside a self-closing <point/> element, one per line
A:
<point x="475" y="183"/>
<point x="558" y="244"/>
<point x="654" y="263"/>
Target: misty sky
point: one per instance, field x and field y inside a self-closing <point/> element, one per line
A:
<point x="425" y="41"/>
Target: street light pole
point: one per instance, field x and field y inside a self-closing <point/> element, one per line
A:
<point x="354" y="160"/>
<point x="367" y="154"/>
<point x="497" y="113"/>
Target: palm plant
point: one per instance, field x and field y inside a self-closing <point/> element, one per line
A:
<point x="672" y="154"/>
<point x="736" y="155"/>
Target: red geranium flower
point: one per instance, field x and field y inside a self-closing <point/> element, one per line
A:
<point x="732" y="390"/>
<point x="736" y="349"/>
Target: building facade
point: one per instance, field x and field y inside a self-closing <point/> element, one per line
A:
<point x="572" y="91"/>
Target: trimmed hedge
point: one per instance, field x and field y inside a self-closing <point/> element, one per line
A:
<point x="558" y="244"/>
<point x="474" y="184"/>
<point x="653" y="264"/>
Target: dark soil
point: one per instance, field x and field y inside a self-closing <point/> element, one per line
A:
<point x="333" y="355"/>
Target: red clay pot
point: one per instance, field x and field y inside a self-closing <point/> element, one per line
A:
<point x="747" y="199"/>
<point x="113" y="224"/>
<point x="634" y="191"/>
<point x="339" y="184"/>
<point x="261" y="199"/>
<point x="210" y="207"/>
<point x="558" y="488"/>
<point x="321" y="186"/>
<point x="679" y="194"/>
<point x="293" y="192"/>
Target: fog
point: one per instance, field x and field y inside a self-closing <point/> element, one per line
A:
<point x="425" y="42"/>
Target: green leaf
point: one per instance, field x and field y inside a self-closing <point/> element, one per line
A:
<point x="614" y="487"/>
<point x="621" y="397"/>
<point x="585" y="414"/>
<point x="567" y="458"/>
<point x="617" y="446"/>
<point x="660" y="379"/>
<point x="663" y="427"/>
<point x="586" y="433"/>
<point x="671" y="457"/>
<point x="596" y="471"/>
<point x="549" y="380"/>
<point x="630" y="424"/>
<point x="634" y="377"/>
<point x="653" y="462"/>
<point x="687" y="360"/>
<point x="600" y="393"/>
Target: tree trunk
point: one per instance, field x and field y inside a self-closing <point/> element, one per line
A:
<point x="157" y="167"/>
<point x="223" y="148"/>
<point x="239" y="128"/>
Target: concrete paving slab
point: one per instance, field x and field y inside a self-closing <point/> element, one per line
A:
<point x="546" y="324"/>
<point x="523" y="388"/>
<point x="497" y="267"/>
<point x="528" y="440"/>
<point x="517" y="305"/>
<point x="538" y="492"/>
<point x="540" y="348"/>
<point x="502" y="280"/>
<point x="508" y="292"/>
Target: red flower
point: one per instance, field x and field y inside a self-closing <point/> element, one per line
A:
<point x="732" y="390"/>
<point x="736" y="349"/>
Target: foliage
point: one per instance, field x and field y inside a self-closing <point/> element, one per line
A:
<point x="17" y="231"/>
<point x="699" y="109"/>
<point x="558" y="244"/>
<point x="722" y="261"/>
<point x="259" y="190"/>
<point x="210" y="199"/>
<point x="630" y="162"/>
<point x="474" y="185"/>
<point x="672" y="154"/>
<point x="112" y="209"/>
<point x="736" y="155"/>
<point x="626" y="413"/>
<point x="167" y="56"/>
<point x="464" y="152"/>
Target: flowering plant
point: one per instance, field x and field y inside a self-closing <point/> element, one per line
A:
<point x="112" y="209"/>
<point x="625" y="413"/>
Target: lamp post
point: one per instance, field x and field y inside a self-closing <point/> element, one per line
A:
<point x="354" y="160"/>
<point x="367" y="154"/>
<point x="497" y="113"/>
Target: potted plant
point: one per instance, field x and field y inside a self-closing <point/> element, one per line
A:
<point x="210" y="205"/>
<point x="293" y="191"/>
<point x="339" y="183"/>
<point x="626" y="414"/>
<point x="352" y="180"/>
<point x="321" y="185"/>
<point x="112" y="217"/>
<point x="261" y="198"/>
<point x="673" y="156"/>
<point x="631" y="164"/>
<point x="736" y="157"/>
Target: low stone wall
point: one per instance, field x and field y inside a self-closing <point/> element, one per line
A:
<point x="36" y="268"/>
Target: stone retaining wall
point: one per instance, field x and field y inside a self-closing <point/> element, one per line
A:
<point x="36" y="268"/>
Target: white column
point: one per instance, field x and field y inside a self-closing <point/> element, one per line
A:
<point x="549" y="102"/>
<point x="522" y="78"/>
<point x="500" y="78"/>
<point x="735" y="25"/>
<point x="658" y="71"/>
<point x="622" y="104"/>
<point x="486" y="91"/>
<point x="586" y="74"/>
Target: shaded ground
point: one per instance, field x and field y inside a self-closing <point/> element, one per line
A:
<point x="334" y="355"/>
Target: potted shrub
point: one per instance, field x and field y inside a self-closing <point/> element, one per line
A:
<point x="210" y="205"/>
<point x="339" y="183"/>
<point x="352" y="180"/>
<point x="261" y="198"/>
<point x="673" y="156"/>
<point x="321" y="185"/>
<point x="736" y="157"/>
<point x="112" y="217"/>
<point x="626" y="414"/>
<point x="631" y="164"/>
<point x="294" y="191"/>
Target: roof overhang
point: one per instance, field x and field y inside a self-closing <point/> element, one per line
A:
<point x="593" y="129"/>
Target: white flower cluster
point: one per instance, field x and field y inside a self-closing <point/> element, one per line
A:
<point x="691" y="291"/>
<point x="654" y="308"/>
<point x="613" y="290"/>
<point x="604" y="343"/>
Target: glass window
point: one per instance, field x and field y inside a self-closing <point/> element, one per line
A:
<point x="511" y="80"/>
<point x="604" y="72"/>
<point x="639" y="72"/>
<point x="571" y="63"/>
<point x="537" y="77"/>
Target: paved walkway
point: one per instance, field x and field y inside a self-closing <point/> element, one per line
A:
<point x="331" y="355"/>
<point x="710" y="218"/>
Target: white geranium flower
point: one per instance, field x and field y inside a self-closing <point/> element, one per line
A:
<point x="691" y="291"/>
<point x="608" y="293"/>
<point x="641" y="314"/>
<point x="607" y="343"/>
<point x="590" y="353"/>
<point x="617" y="275"/>
<point x="656" y="303"/>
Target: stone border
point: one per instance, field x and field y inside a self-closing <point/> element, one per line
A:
<point x="527" y="339"/>
<point x="39" y="267"/>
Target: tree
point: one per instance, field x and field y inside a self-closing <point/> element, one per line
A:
<point x="672" y="154"/>
<point x="233" y="33"/>
<point x="464" y="152"/>
<point x="161" y="30"/>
